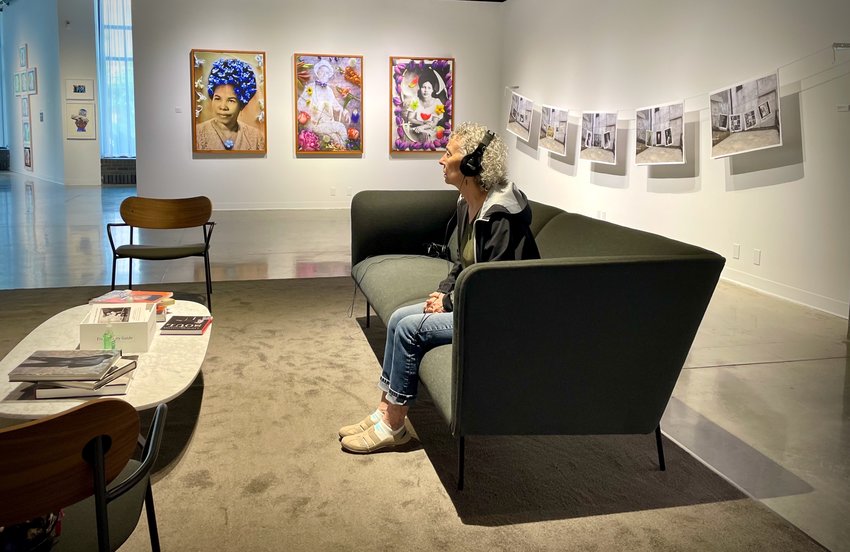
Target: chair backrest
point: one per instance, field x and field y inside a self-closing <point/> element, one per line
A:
<point x="45" y="464"/>
<point x="148" y="212"/>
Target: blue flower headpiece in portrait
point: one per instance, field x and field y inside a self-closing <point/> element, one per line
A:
<point x="236" y="73"/>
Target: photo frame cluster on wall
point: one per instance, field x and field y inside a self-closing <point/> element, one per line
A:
<point x="744" y="118"/>
<point x="80" y="110"/>
<point x="25" y="80"/>
<point x="229" y="112"/>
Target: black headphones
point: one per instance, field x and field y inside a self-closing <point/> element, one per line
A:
<point x="470" y="165"/>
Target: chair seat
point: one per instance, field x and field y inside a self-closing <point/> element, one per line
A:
<point x="160" y="252"/>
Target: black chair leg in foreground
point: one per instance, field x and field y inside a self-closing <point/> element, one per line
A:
<point x="660" y="447"/>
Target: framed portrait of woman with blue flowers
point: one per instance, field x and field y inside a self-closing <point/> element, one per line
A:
<point x="422" y="104"/>
<point x="228" y="101"/>
<point x="328" y="104"/>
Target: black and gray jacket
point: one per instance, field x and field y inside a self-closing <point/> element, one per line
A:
<point x="502" y="232"/>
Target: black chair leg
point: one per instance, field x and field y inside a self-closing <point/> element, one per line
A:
<point x="114" y="263"/>
<point x="460" y="451"/>
<point x="207" y="272"/>
<point x="101" y="515"/>
<point x="368" y="311"/>
<point x="130" y="273"/>
<point x="660" y="447"/>
<point x="151" y="513"/>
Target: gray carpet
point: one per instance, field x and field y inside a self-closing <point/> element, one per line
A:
<point x="251" y="459"/>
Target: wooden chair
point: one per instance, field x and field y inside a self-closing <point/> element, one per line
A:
<point x="163" y="214"/>
<point x="65" y="461"/>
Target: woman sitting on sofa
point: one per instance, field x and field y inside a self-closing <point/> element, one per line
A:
<point x="493" y="225"/>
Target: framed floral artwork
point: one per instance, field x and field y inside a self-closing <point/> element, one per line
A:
<point x="228" y="101"/>
<point x="328" y="104"/>
<point x="421" y="103"/>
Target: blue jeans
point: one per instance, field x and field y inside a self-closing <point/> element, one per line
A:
<point x="410" y="334"/>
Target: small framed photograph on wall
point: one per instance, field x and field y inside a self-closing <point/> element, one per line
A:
<point x="328" y="104"/>
<point x="25" y="107"/>
<point x="79" y="89"/>
<point x="17" y="84"/>
<point x="22" y="56"/>
<point x="421" y="104"/>
<point x="28" y="157"/>
<point x="228" y="101"/>
<point x="26" y="132"/>
<point x="32" y="81"/>
<point x="80" y="121"/>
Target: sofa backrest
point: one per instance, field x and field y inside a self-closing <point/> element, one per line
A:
<point x="573" y="235"/>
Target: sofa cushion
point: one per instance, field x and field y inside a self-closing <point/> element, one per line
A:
<point x="572" y="235"/>
<point x="393" y="281"/>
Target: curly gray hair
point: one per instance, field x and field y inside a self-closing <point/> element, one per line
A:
<point x="494" y="165"/>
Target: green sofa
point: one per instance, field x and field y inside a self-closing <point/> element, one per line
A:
<point x="590" y="339"/>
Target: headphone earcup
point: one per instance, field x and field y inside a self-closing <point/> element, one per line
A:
<point x="470" y="165"/>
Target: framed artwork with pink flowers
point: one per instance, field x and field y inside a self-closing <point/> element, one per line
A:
<point x="328" y="104"/>
<point x="421" y="104"/>
<point x="228" y="101"/>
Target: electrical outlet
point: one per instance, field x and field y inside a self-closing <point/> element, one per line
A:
<point x="333" y="191"/>
<point x="736" y="250"/>
<point x="756" y="256"/>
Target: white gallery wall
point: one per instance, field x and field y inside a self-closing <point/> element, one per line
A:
<point x="791" y="202"/>
<point x="34" y="23"/>
<point x="165" y="32"/>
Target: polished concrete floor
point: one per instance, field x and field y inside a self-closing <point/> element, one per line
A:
<point x="764" y="398"/>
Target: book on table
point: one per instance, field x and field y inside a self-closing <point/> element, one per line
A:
<point x="122" y="367"/>
<point x="62" y="390"/>
<point x="65" y="365"/>
<point x="186" y="325"/>
<point x="132" y="296"/>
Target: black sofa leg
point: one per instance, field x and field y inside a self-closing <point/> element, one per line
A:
<point x="368" y="312"/>
<point x="660" y="447"/>
<point x="460" y="448"/>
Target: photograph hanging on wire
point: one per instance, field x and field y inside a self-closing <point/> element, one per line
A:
<point x="421" y="103"/>
<point x="745" y="117"/>
<point x="660" y="134"/>
<point x="328" y="104"/>
<point x="520" y="115"/>
<point x="553" y="129"/>
<point x="228" y="101"/>
<point x="598" y="138"/>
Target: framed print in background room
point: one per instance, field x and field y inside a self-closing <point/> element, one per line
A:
<point x="26" y="133"/>
<point x="80" y="121"/>
<point x="421" y="103"/>
<point x="228" y="101"/>
<point x="660" y="134"/>
<point x="28" y="157"/>
<point x="32" y="81"/>
<point x="79" y="89"/>
<point x="328" y="104"/>
<point x="25" y="107"/>
<point x="17" y="79"/>
<point x="520" y="115"/>
<point x="553" y="129"/>
<point x="22" y="56"/>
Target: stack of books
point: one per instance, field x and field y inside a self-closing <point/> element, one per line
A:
<point x="76" y="373"/>
<point x="163" y="299"/>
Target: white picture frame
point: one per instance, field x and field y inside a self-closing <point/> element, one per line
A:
<point x="79" y="89"/>
<point x="80" y="121"/>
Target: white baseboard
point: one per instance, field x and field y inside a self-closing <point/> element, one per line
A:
<point x="790" y="293"/>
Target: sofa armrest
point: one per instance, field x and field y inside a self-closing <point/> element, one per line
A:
<point x="399" y="221"/>
<point x="574" y="345"/>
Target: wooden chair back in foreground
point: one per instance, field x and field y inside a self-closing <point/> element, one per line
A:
<point x="66" y="460"/>
<point x="163" y="214"/>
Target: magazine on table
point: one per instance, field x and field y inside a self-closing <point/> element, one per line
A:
<point x="132" y="296"/>
<point x="186" y="325"/>
<point x="50" y="390"/>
